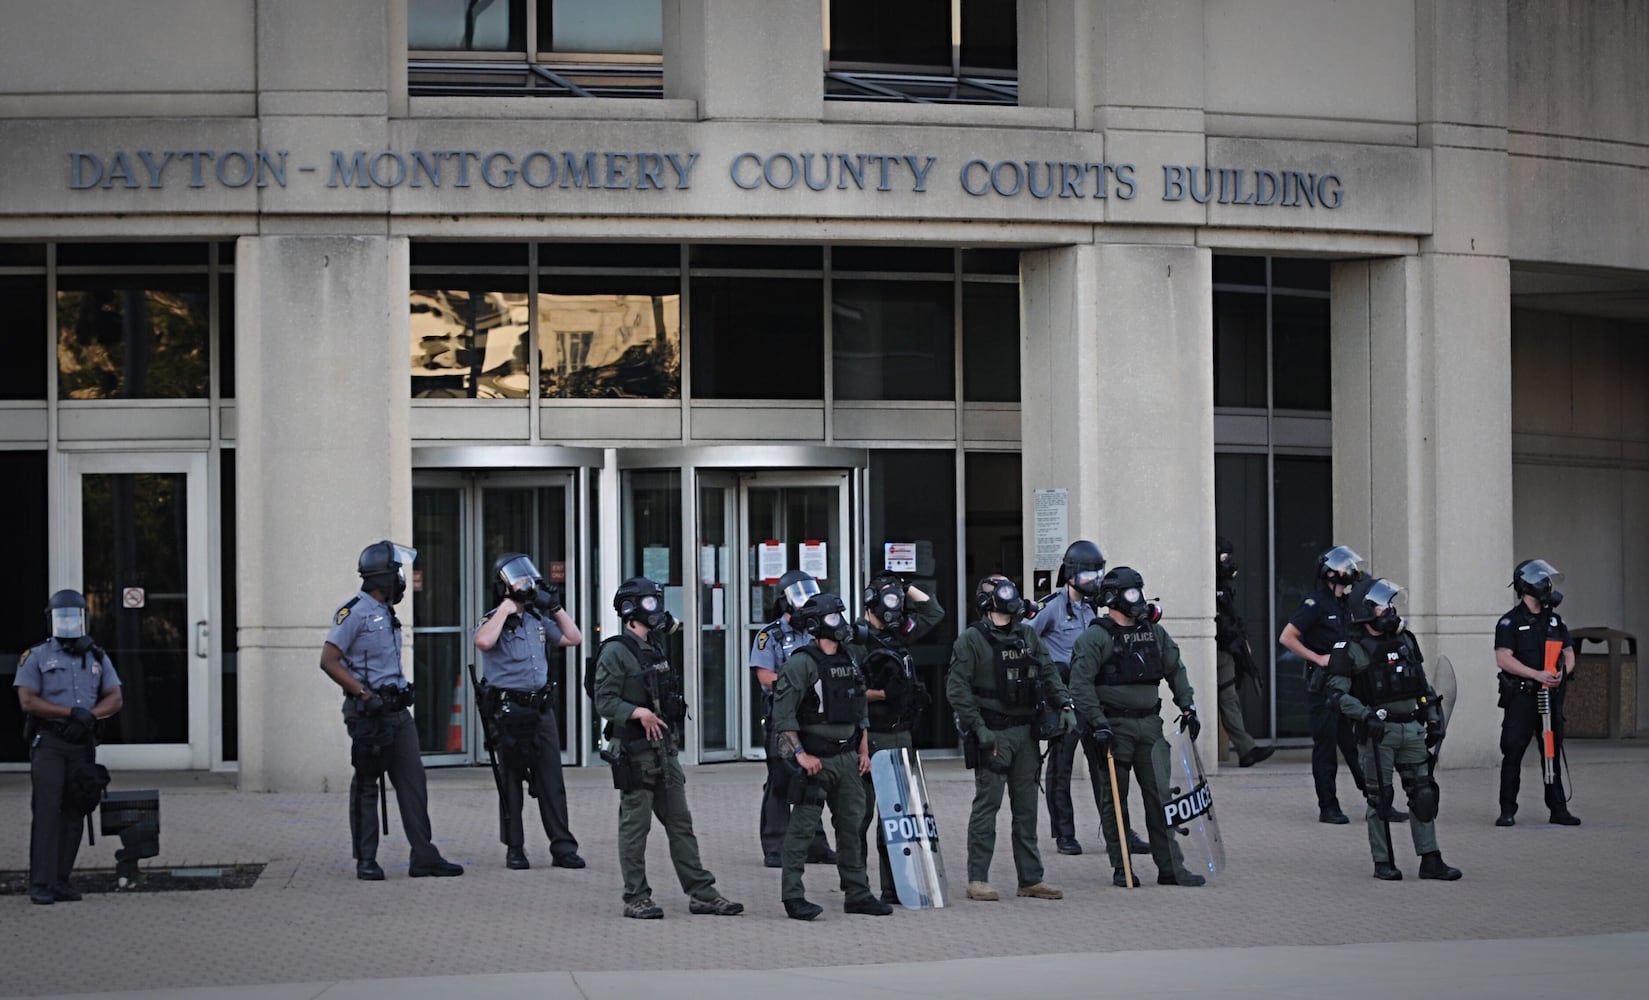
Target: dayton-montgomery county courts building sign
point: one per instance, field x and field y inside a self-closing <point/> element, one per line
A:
<point x="707" y="290"/>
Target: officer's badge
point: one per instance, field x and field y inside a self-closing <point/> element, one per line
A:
<point x="338" y="619"/>
<point x="97" y="669"/>
<point x="761" y="640"/>
<point x="1311" y="602"/>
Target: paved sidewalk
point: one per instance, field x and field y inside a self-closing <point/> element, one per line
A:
<point x="1293" y="887"/>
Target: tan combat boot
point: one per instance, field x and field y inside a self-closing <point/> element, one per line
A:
<point x="982" y="891"/>
<point x="1041" y="890"/>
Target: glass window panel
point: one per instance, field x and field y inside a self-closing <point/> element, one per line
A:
<point x="715" y="660"/>
<point x="438" y="671"/>
<point x="894" y="339"/>
<point x="24" y="336"/>
<point x="758" y="338"/>
<point x="990" y="34"/>
<point x="134" y="534"/>
<point x="601" y="26"/>
<point x="438" y="577"/>
<point x="778" y="257"/>
<point x="903" y="260"/>
<point x="132" y="336"/>
<point x="990" y="342"/>
<point x="1239" y="349"/>
<point x="1304" y="528"/>
<point x="230" y="590"/>
<point x="913" y="499"/>
<point x="1299" y="353"/>
<point x="994" y="507"/>
<point x="23" y="587"/>
<point x="226" y="336"/>
<point x="1310" y="273"/>
<point x="652" y="540"/>
<point x="467" y="25"/>
<point x="909" y="33"/>
<point x="427" y="253"/>
<point x="130" y="254"/>
<point x="633" y="255"/>
<point x="22" y="255"/>
<point x="609" y="337"/>
<point x="1230" y="270"/>
<point x="469" y="337"/>
<point x="988" y="260"/>
<point x="1241" y="515"/>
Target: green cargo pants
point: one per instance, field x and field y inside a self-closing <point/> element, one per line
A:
<point x="839" y="785"/>
<point x="1017" y="754"/>
<point x="880" y="741"/>
<point x="1236" y="728"/>
<point x="1404" y="744"/>
<point x="665" y="797"/>
<point x="1141" y="752"/>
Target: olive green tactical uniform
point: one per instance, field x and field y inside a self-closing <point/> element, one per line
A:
<point x="890" y="730"/>
<point x="1402" y="748"/>
<point x="1132" y="713"/>
<point x="836" y="744"/>
<point x="619" y="689"/>
<point x="1017" y="759"/>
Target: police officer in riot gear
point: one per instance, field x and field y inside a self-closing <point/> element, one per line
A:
<point x="896" y="616"/>
<point x="1520" y="640"/>
<point x="1235" y="660"/>
<point x="362" y="655"/>
<point x="1060" y="619"/>
<point x="999" y="672"/>
<point x="1116" y="669"/>
<point x="1377" y="679"/>
<point x="639" y="692"/>
<point x="821" y="714"/>
<point x="774" y="644"/>
<point x="65" y="686"/>
<point x="1317" y="625"/>
<point x="518" y="704"/>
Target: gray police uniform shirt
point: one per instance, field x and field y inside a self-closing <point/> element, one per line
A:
<point x="370" y="638"/>
<point x="63" y="678"/>
<point x="519" y="660"/>
<point x="774" y="644"/>
<point x="1060" y="623"/>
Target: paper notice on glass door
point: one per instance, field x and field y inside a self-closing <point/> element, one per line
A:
<point x="813" y="561"/>
<point x="771" y="560"/>
<point x="707" y="565"/>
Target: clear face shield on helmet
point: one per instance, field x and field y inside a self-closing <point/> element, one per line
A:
<point x="1389" y="600"/>
<point x="1342" y="565"/>
<point x="68" y="623"/>
<point x="798" y="593"/>
<point x="1540" y="578"/>
<point x="519" y="575"/>
<point x="1086" y="581"/>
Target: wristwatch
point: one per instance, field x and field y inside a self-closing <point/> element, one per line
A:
<point x="1380" y="714"/>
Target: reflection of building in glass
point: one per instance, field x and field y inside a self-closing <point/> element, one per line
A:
<point x="469" y="344"/>
<point x="610" y="346"/>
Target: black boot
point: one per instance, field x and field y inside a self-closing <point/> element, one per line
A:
<point x="870" y="905"/>
<point x="1120" y="880"/>
<point x="515" y="859"/>
<point x="1332" y="814"/>
<point x="1385" y="871"/>
<point x="1508" y="817"/>
<point x="369" y="871"/>
<point x="1565" y="818"/>
<point x="1433" y="866"/>
<point x="1181" y="877"/>
<point x="801" y="909"/>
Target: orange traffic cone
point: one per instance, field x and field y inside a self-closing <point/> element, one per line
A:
<point x="455" y="723"/>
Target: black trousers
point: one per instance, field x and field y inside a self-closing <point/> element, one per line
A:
<point x="1056" y="781"/>
<point x="54" y="833"/>
<point x="1331" y="730"/>
<point x="1519" y="725"/>
<point x="775" y="814"/>
<point x="406" y="774"/>
<point x="541" y="765"/>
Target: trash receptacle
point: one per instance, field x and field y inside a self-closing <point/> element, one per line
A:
<point x="1602" y="699"/>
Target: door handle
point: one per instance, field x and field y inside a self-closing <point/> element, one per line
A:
<point x="203" y="646"/>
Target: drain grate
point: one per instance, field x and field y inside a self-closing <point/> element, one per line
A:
<point x="236" y="876"/>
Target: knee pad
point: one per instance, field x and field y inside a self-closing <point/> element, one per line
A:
<point x="1424" y="795"/>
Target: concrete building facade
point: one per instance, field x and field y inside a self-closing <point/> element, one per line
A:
<point x="684" y="299"/>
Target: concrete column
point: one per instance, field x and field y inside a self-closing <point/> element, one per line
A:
<point x="1116" y="63"/>
<point x="750" y="59"/>
<point x="323" y="469"/>
<point x="1422" y="376"/>
<point x="1117" y="390"/>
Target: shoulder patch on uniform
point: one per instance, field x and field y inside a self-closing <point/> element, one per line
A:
<point x="1311" y="602"/>
<point x="761" y="639"/>
<point x="1340" y="645"/>
<point x="338" y="619"/>
<point x="25" y="657"/>
<point x="1505" y="621"/>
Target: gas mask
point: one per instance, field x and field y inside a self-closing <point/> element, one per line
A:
<point x="885" y="598"/>
<point x="1000" y="595"/>
<point x="824" y="616"/>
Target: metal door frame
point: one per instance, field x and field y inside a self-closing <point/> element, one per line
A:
<point x="205" y="682"/>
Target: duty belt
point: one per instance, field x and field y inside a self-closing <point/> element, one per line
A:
<point x="537" y="700"/>
<point x="1133" y="713"/>
<point x="997" y="720"/>
<point x="819" y="746"/>
<point x="395" y="698"/>
<point x="1401" y="716"/>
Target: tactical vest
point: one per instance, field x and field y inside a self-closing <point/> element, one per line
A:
<point x="664" y="688"/>
<point x="889" y="668"/>
<point x="839" y="696"/>
<point x="1013" y="667"/>
<point x="1392" y="673"/>
<point x="1135" y="658"/>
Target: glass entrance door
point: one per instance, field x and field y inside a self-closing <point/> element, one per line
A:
<point x="461" y="523"/>
<point x="134" y="530"/>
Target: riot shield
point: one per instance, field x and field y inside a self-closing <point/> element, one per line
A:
<point x="909" y="826"/>
<point x="1442" y="682"/>
<point x="1188" y="806"/>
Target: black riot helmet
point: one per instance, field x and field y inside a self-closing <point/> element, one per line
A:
<point x="382" y="567"/>
<point x="824" y="616"/>
<point x="641" y="600"/>
<point x="1539" y="578"/>
<point x="67" y="611"/>
<point x="1340" y="565"/>
<point x="1123" y="590"/>
<point x="885" y="598"/>
<point x="1378" y="602"/>
<point x="514" y="576"/>
<point x="796" y="588"/>
<point x="1225" y="561"/>
<point x="1000" y="594"/>
<point x="1082" y="566"/>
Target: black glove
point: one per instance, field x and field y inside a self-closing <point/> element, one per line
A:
<point x="372" y="704"/>
<point x="1375" y="728"/>
<point x="1434" y="734"/>
<point x="79" y="726"/>
<point x="1189" y="723"/>
<point x="547" y="596"/>
<point x="1104" y="737"/>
